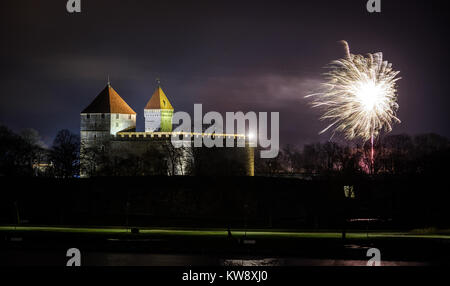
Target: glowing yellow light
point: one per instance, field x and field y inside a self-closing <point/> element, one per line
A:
<point x="369" y="95"/>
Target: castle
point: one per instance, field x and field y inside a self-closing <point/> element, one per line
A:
<point x="110" y="144"/>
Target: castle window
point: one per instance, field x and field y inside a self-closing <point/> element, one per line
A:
<point x="129" y="116"/>
<point x="88" y="116"/>
<point x="117" y="124"/>
<point x="117" y="116"/>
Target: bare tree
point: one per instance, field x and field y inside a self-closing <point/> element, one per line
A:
<point x="17" y="154"/>
<point x="175" y="158"/>
<point x="65" y="154"/>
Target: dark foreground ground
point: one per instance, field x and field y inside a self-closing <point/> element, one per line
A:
<point x="214" y="247"/>
<point x="381" y="203"/>
<point x="184" y="220"/>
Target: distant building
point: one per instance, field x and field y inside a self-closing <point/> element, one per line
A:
<point x="110" y="144"/>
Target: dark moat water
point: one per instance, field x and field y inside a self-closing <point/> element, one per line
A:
<point x="57" y="258"/>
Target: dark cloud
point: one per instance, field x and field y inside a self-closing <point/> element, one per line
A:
<point x="228" y="55"/>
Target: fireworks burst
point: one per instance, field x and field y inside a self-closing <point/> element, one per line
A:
<point x="359" y="96"/>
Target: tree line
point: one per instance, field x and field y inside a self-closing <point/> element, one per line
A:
<point x="393" y="155"/>
<point x="24" y="154"/>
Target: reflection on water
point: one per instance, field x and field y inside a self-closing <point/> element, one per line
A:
<point x="355" y="246"/>
<point x="114" y="259"/>
<point x="312" y="262"/>
<point x="55" y="258"/>
<point x="253" y="262"/>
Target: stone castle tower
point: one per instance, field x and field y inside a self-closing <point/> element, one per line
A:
<point x="158" y="112"/>
<point x="109" y="138"/>
<point x="105" y="116"/>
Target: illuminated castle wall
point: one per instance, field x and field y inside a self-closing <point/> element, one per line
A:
<point x="108" y="128"/>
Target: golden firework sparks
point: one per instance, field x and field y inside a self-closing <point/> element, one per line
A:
<point x="359" y="95"/>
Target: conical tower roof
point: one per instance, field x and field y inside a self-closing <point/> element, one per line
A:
<point x="159" y="100"/>
<point x="108" y="101"/>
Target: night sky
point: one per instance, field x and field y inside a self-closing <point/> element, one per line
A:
<point x="227" y="55"/>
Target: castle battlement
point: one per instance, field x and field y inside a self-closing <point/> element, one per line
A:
<point x="172" y="134"/>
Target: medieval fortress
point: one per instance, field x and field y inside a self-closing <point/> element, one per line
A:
<point x="108" y="134"/>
